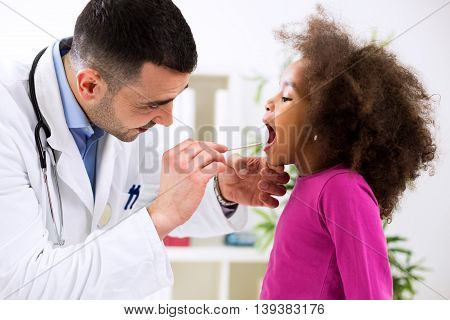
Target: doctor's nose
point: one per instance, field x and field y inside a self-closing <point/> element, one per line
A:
<point x="165" y="116"/>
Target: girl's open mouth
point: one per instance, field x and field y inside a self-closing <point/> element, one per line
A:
<point x="271" y="139"/>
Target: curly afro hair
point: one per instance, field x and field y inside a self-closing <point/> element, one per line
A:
<point x="370" y="112"/>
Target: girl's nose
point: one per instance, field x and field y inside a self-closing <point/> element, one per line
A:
<point x="270" y="106"/>
<point x="268" y="117"/>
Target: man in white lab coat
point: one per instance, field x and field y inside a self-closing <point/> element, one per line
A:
<point x="90" y="226"/>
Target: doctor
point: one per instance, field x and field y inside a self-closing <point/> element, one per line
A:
<point x="80" y="218"/>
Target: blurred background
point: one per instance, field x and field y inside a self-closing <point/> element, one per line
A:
<point x="239" y="67"/>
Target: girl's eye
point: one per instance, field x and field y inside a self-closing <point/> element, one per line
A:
<point x="285" y="99"/>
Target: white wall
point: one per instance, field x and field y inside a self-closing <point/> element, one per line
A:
<point x="234" y="38"/>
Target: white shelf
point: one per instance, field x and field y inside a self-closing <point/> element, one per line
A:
<point x="216" y="254"/>
<point x="224" y="256"/>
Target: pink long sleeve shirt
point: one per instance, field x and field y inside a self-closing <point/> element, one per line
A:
<point x="329" y="242"/>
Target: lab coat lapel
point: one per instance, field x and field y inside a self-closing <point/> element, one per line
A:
<point x="108" y="149"/>
<point x="70" y="167"/>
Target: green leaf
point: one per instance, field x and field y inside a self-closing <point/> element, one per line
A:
<point x="256" y="150"/>
<point x="265" y="227"/>
<point x="266" y="241"/>
<point x="259" y="89"/>
<point x="390" y="239"/>
<point x="387" y="40"/>
<point x="409" y="286"/>
<point x="265" y="215"/>
<point x="401" y="250"/>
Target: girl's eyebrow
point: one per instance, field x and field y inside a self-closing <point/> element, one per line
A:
<point x="293" y="85"/>
<point x="290" y="84"/>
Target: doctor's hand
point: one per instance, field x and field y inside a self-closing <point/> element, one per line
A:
<point x="186" y="170"/>
<point x="251" y="181"/>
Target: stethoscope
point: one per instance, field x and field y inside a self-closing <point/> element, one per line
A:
<point x="41" y="126"/>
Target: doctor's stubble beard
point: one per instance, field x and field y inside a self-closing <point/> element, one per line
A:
<point x="104" y="117"/>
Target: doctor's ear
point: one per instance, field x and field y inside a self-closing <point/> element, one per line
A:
<point x="90" y="85"/>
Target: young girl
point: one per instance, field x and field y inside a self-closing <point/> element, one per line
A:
<point x="356" y="123"/>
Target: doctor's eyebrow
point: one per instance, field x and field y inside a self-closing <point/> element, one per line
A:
<point x="161" y="102"/>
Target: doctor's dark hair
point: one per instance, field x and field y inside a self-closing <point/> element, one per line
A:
<point x="369" y="111"/>
<point x="116" y="37"/>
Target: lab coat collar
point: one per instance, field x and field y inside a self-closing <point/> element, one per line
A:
<point x="50" y="104"/>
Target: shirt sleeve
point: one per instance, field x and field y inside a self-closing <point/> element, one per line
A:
<point x="228" y="211"/>
<point x="351" y="216"/>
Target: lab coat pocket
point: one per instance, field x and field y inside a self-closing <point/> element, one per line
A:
<point x="118" y="208"/>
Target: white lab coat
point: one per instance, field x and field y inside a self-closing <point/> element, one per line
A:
<point x="109" y="252"/>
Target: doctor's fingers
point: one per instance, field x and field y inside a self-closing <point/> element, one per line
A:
<point x="244" y="166"/>
<point x="179" y="147"/>
<point x="199" y="146"/>
<point x="276" y="177"/>
<point x="189" y="143"/>
<point x="199" y="149"/>
<point x="184" y="163"/>
<point x="206" y="157"/>
<point x="184" y="152"/>
<point x="213" y="169"/>
<point x="272" y="188"/>
<point x="268" y="200"/>
<point x="279" y="169"/>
